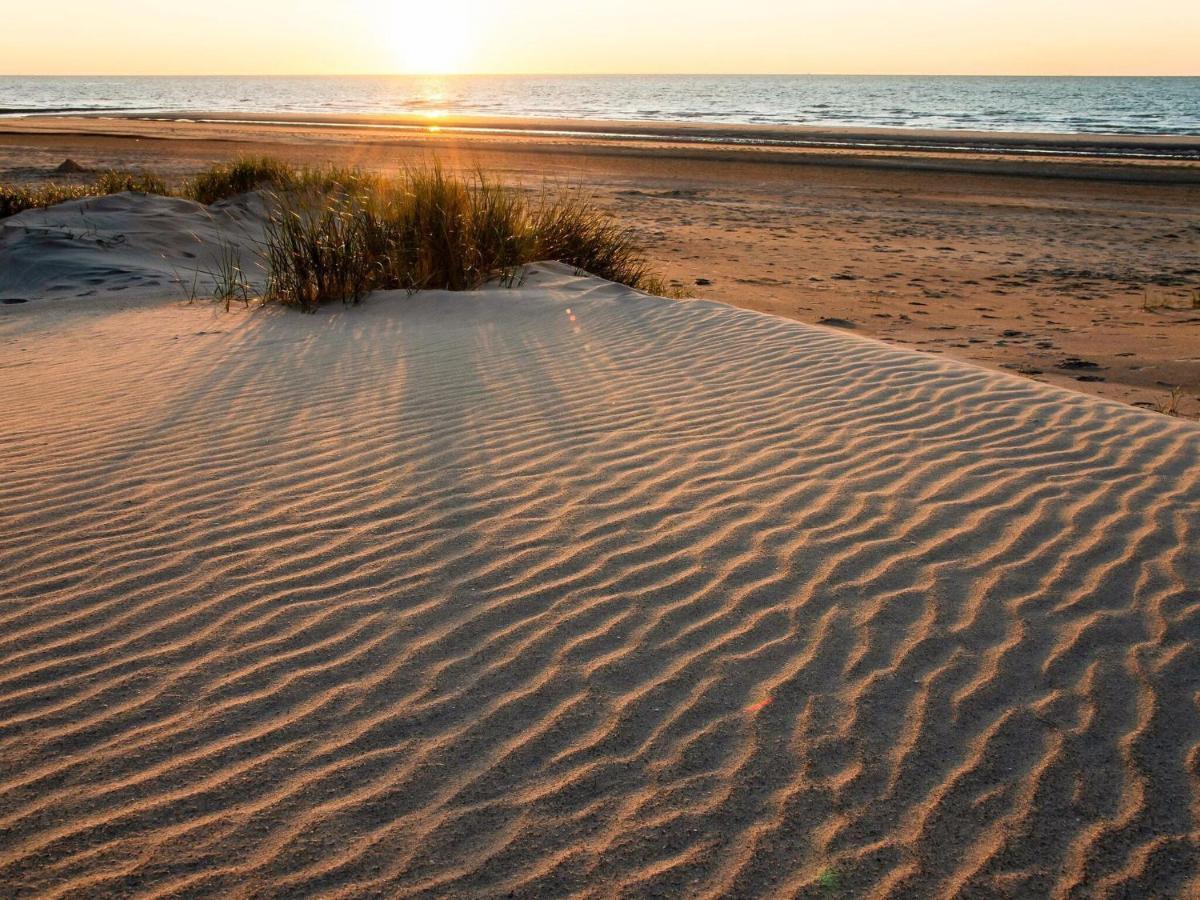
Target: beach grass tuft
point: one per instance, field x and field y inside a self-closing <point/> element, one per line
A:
<point x="229" y="277"/>
<point x="115" y="182"/>
<point x="18" y="198"/>
<point x="250" y="173"/>
<point x="240" y="176"/>
<point x="15" y="198"/>
<point x="571" y="229"/>
<point x="429" y="229"/>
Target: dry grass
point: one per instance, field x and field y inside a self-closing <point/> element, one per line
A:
<point x="1170" y="407"/>
<point x="18" y="198"/>
<point x="113" y="182"/>
<point x="229" y="277"/>
<point x="429" y="229"/>
<point x="242" y="175"/>
<point x="250" y="173"/>
<point x="337" y="233"/>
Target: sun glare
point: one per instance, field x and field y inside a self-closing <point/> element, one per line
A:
<point x="433" y="38"/>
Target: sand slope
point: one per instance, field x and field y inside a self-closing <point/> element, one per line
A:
<point x="134" y="244"/>
<point x="566" y="590"/>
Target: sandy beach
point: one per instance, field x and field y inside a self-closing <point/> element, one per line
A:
<point x="565" y="589"/>
<point x="1078" y="271"/>
<point x="862" y="574"/>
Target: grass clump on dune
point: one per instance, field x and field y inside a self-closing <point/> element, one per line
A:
<point x="114" y="182"/>
<point x="571" y="229"/>
<point x="250" y="173"/>
<point x="18" y="198"/>
<point x="242" y="175"/>
<point x="429" y="229"/>
<point x="219" y="182"/>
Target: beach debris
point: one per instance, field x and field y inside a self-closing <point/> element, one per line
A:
<point x="828" y="879"/>
<point x="70" y="167"/>
<point x="1074" y="362"/>
<point x="1024" y="369"/>
<point x="1171" y="406"/>
<point x="703" y="282"/>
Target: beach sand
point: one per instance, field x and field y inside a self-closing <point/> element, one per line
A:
<point x="567" y="590"/>
<point x="1042" y="265"/>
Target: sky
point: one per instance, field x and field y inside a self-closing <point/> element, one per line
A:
<point x="269" y="37"/>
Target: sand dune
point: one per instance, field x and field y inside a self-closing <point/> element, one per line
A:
<point x="568" y="590"/>
<point x="139" y="243"/>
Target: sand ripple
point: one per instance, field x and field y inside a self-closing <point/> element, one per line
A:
<point x="569" y="591"/>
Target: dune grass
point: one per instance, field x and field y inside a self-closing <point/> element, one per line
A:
<point x="249" y="173"/>
<point x="114" y="182"/>
<point x="335" y="234"/>
<point x="18" y="198"/>
<point x="429" y="229"/>
<point x="240" y="176"/>
<point x="15" y="198"/>
<point x="219" y="182"/>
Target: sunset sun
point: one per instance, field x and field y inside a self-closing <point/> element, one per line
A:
<point x="432" y="38"/>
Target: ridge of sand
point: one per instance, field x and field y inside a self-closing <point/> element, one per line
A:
<point x="569" y="590"/>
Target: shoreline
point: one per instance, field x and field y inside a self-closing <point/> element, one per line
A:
<point x="841" y="136"/>
<point x="1158" y="147"/>
<point x="1138" y="158"/>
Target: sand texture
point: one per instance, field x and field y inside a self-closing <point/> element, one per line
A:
<point x="565" y="590"/>
<point x="139" y="243"/>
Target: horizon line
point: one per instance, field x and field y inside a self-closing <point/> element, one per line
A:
<point x="591" y="75"/>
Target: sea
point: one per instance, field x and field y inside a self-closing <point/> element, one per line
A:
<point x="1047" y="105"/>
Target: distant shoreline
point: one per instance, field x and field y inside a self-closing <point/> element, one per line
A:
<point x="1096" y="158"/>
<point x="1150" y="146"/>
<point x="1184" y="148"/>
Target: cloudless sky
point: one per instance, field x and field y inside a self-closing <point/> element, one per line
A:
<point x="210" y="37"/>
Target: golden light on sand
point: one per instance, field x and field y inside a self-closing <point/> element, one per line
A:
<point x="432" y="38"/>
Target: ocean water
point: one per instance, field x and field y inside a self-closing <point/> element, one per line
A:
<point x="1034" y="104"/>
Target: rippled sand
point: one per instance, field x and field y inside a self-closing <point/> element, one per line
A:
<point x="568" y="590"/>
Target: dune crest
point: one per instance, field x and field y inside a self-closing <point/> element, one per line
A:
<point x="569" y="590"/>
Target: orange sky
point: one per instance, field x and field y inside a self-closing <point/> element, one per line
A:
<point x="624" y="36"/>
